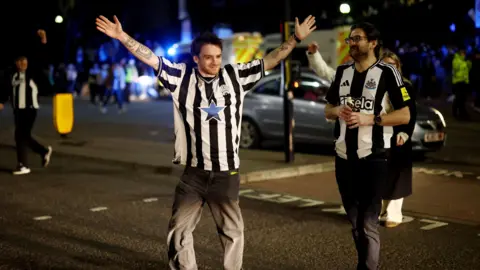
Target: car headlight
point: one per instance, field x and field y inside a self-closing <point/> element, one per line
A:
<point x="440" y="115"/>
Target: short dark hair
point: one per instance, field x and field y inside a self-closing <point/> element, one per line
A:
<point x="20" y="58"/>
<point x="372" y="33"/>
<point x="203" y="39"/>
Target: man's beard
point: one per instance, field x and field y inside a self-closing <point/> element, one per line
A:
<point x="357" y="54"/>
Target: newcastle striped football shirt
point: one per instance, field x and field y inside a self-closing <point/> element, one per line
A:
<point x="24" y="93"/>
<point x="208" y="112"/>
<point x="378" y="90"/>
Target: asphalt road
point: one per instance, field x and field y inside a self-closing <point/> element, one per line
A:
<point x="153" y="121"/>
<point x="86" y="215"/>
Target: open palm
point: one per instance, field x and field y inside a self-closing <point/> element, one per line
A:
<point x="113" y="30"/>
<point x="304" y="29"/>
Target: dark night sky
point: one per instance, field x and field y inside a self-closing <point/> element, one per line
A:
<point x="157" y="19"/>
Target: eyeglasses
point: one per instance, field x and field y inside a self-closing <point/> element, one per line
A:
<point x="355" y="39"/>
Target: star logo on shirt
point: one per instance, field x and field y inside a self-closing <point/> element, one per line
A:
<point x="213" y="110"/>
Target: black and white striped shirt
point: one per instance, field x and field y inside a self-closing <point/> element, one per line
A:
<point x="24" y="92"/>
<point x="378" y="90"/>
<point x="208" y="112"/>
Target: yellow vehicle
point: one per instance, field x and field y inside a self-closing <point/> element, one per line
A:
<point x="239" y="48"/>
<point x="331" y="45"/>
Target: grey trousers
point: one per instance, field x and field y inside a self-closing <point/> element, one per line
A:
<point x="361" y="184"/>
<point x="220" y="190"/>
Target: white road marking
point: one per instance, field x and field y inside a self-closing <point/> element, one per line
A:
<point x="434" y="224"/>
<point x="244" y="191"/>
<point x="443" y="172"/>
<point x="310" y="203"/>
<point x="339" y="210"/>
<point x="42" y="218"/>
<point x="98" y="209"/>
<point x="150" y="200"/>
<point x="407" y="219"/>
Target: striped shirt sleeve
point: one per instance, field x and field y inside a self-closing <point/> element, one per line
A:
<point x="170" y="74"/>
<point x="250" y="73"/>
<point x="397" y="92"/>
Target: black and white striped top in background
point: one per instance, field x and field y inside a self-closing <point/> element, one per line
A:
<point x="24" y="92"/>
<point x="208" y="112"/>
<point x="378" y="90"/>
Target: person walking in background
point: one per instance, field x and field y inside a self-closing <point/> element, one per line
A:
<point x="460" y="84"/>
<point x="23" y="94"/>
<point x="399" y="180"/>
<point x="94" y="72"/>
<point x="115" y="84"/>
<point x="131" y="77"/>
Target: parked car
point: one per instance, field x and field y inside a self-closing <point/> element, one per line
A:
<point x="263" y="115"/>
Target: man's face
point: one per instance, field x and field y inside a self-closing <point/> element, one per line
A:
<point x="22" y="64"/>
<point x="209" y="60"/>
<point x="359" y="44"/>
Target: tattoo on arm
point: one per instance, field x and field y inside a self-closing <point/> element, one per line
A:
<point x="281" y="52"/>
<point x="144" y="52"/>
<point x="130" y="42"/>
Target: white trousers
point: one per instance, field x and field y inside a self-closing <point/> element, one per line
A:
<point x="392" y="210"/>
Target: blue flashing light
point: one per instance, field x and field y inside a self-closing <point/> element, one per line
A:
<point x="173" y="50"/>
<point x="453" y="27"/>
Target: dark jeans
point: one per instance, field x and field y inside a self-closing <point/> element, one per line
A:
<point x="220" y="190"/>
<point x="118" y="97"/>
<point x="461" y="91"/>
<point x="24" y="120"/>
<point x="361" y="183"/>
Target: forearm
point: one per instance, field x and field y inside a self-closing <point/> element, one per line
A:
<point x="396" y="118"/>
<point x="321" y="68"/>
<point x="331" y="112"/>
<point x="140" y="51"/>
<point x="276" y="56"/>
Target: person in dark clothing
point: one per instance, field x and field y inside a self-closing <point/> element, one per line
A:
<point x="399" y="180"/>
<point x="22" y="90"/>
<point x="460" y="84"/>
<point x="23" y="94"/>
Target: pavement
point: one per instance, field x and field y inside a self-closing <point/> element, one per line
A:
<point x="85" y="214"/>
<point x="143" y="138"/>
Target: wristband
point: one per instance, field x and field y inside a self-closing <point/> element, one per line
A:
<point x="296" y="38"/>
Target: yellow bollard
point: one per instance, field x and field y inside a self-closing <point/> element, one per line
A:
<point x="63" y="113"/>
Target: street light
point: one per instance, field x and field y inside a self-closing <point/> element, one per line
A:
<point x="345" y="8"/>
<point x="59" y="19"/>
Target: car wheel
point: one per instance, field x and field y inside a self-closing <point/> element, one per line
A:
<point x="250" y="137"/>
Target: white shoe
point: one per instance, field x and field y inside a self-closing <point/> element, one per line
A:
<point x="21" y="170"/>
<point x="46" y="158"/>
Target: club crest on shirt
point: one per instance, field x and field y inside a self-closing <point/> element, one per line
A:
<point x="224" y="90"/>
<point x="371" y="84"/>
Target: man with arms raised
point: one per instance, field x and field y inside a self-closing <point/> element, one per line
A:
<point x="208" y="103"/>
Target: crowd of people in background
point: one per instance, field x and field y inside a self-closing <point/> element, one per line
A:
<point x="106" y="82"/>
<point x="446" y="72"/>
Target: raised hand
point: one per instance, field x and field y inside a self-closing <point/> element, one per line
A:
<point x="113" y="30"/>
<point x="1" y="106"/>
<point x="312" y="47"/>
<point x="304" y="29"/>
<point x="43" y="35"/>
